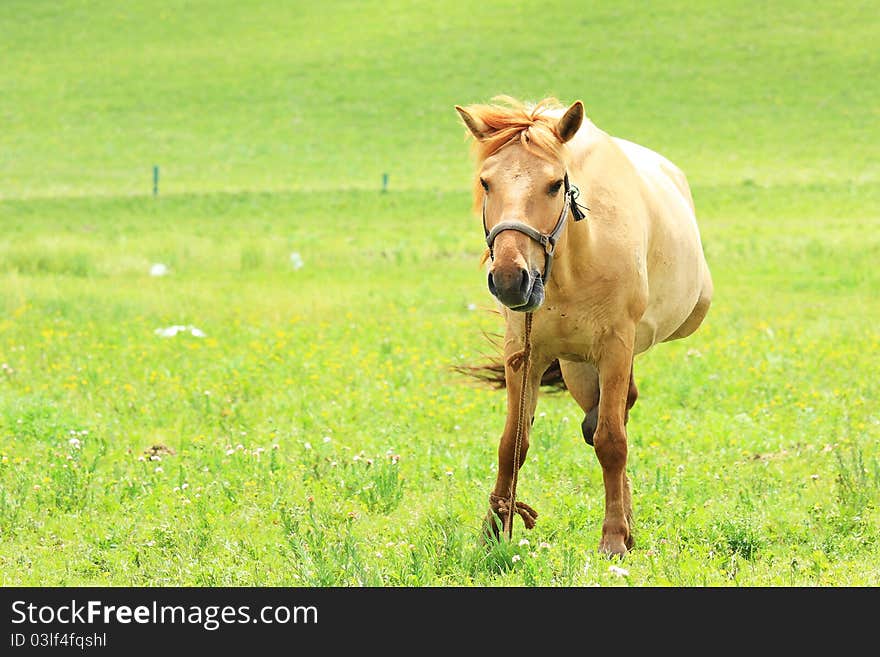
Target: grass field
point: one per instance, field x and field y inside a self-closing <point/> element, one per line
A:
<point x="315" y="435"/>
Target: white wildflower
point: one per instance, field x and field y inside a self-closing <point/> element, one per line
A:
<point x="171" y="331"/>
<point x="617" y="570"/>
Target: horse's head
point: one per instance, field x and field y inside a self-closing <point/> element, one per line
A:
<point x="522" y="188"/>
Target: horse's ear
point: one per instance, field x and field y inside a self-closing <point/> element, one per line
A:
<point x="570" y="122"/>
<point x="478" y="129"/>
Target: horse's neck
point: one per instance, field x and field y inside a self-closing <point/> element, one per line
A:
<point x="606" y="179"/>
<point x="589" y="143"/>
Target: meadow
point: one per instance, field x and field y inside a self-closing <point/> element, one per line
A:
<point x="311" y="431"/>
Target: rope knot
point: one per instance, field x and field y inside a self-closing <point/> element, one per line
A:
<point x="516" y="360"/>
<point x="501" y="506"/>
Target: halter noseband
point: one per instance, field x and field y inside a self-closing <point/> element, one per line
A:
<point x="549" y="240"/>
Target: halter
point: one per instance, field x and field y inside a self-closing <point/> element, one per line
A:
<point x="549" y="240"/>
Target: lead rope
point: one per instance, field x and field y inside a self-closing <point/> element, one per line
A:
<point x="523" y="358"/>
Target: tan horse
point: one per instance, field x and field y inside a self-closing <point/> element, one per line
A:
<point x="629" y="275"/>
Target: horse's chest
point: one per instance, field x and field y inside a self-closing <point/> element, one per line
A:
<point x="569" y="334"/>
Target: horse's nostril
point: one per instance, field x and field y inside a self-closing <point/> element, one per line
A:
<point x="512" y="287"/>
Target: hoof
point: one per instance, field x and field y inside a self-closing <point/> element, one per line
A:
<point x="614" y="545"/>
<point x="493" y="525"/>
<point x="588" y="426"/>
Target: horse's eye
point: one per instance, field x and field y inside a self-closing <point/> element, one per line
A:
<point x="484" y="184"/>
<point x="554" y="188"/>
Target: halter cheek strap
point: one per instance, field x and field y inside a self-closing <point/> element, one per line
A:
<point x="547" y="241"/>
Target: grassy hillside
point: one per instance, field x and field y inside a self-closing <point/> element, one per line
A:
<point x="300" y="96"/>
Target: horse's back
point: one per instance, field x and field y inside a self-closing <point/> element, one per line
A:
<point x="679" y="283"/>
<point x="658" y="170"/>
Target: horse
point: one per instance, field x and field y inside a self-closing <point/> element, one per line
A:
<point x="593" y="244"/>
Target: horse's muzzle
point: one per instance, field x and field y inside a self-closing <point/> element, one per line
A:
<point x="518" y="289"/>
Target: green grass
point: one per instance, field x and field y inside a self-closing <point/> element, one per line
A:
<point x="318" y="434"/>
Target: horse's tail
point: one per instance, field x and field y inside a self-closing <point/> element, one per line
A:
<point x="491" y="371"/>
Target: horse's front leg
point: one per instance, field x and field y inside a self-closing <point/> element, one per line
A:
<point x="615" y="367"/>
<point x="513" y="372"/>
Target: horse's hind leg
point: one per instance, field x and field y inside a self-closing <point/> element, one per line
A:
<point x="591" y="421"/>
<point x="631" y="396"/>
<point x="582" y="381"/>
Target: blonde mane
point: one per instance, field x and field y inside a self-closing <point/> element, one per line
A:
<point x="513" y="121"/>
